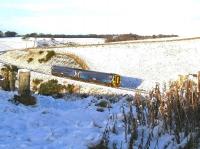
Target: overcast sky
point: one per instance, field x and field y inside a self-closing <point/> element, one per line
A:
<point x="101" y="16"/>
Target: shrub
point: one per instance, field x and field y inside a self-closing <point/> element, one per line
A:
<point x="78" y="60"/>
<point x="37" y="81"/>
<point x="175" y="111"/>
<point x="49" y="55"/>
<point x="70" y="88"/>
<point x="25" y="100"/>
<point x="51" y="88"/>
<point x="40" y="52"/>
<point x="41" y="60"/>
<point x="102" y="103"/>
<point x="109" y="39"/>
<point x="5" y="73"/>
<point x="30" y="60"/>
<point x="6" y="83"/>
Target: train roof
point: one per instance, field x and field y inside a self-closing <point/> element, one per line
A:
<point x="82" y="69"/>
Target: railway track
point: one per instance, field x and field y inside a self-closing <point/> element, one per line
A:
<point x="41" y="72"/>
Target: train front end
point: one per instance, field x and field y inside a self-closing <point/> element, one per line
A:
<point x="116" y="80"/>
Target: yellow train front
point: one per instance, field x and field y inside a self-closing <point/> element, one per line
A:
<point x="108" y="79"/>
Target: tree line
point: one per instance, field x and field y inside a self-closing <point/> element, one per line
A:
<point x="126" y="37"/>
<point x="8" y="34"/>
<point x="41" y="35"/>
<point x="108" y="37"/>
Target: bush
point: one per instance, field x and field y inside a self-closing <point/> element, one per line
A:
<point x="25" y="100"/>
<point x="51" y="88"/>
<point x="37" y="81"/>
<point x="30" y="60"/>
<point x="10" y="34"/>
<point x="49" y="55"/>
<point x="41" y="60"/>
<point x="40" y="52"/>
<point x="70" y="88"/>
<point x="102" y="103"/>
<point x="1" y="34"/>
<point x="78" y="60"/>
<point x="176" y="111"/>
<point x="5" y="73"/>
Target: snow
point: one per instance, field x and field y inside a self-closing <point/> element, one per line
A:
<point x="140" y="65"/>
<point x="52" y="123"/>
<point x="13" y="43"/>
<point x="74" y="122"/>
<point x="81" y="40"/>
<point x="42" y="42"/>
<point x="143" y="64"/>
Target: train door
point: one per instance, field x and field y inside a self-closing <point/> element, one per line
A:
<point x="77" y="74"/>
<point x="116" y="81"/>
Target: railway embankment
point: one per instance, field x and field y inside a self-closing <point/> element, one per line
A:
<point x="34" y="60"/>
<point x="41" y="59"/>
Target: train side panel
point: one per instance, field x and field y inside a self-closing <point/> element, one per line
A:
<point x="63" y="71"/>
<point x="86" y="75"/>
<point x="96" y="77"/>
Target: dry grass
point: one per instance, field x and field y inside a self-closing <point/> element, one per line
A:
<point x="78" y="60"/>
<point x="178" y="109"/>
<point x="174" y="112"/>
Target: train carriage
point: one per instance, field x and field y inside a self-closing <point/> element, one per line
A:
<point x="108" y="79"/>
<point x="64" y="71"/>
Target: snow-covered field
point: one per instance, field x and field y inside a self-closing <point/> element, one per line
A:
<point x="76" y="122"/>
<point x="71" y="123"/>
<point x="19" y="43"/>
<point x="139" y="64"/>
<point x="143" y="64"/>
<point x="15" y="43"/>
<point x="81" y="40"/>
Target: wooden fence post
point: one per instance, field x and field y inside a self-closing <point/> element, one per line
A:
<point x="198" y="81"/>
<point x="5" y="82"/>
<point x="24" y="82"/>
<point x="11" y="77"/>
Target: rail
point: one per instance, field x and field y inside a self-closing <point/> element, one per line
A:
<point x="41" y="72"/>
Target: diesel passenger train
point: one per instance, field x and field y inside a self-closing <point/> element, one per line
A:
<point x="108" y="79"/>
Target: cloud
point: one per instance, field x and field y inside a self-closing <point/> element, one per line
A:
<point x="105" y="16"/>
<point x="102" y="25"/>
